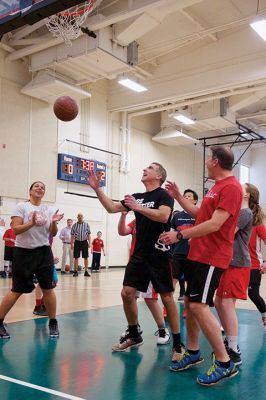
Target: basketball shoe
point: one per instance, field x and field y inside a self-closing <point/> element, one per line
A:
<point x="264" y="323"/>
<point x="128" y="343"/>
<point x="3" y="332"/>
<point x="186" y="361"/>
<point x="125" y="334"/>
<point x="53" y="327"/>
<point x="163" y="336"/>
<point x="217" y="373"/>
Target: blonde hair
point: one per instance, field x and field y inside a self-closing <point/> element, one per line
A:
<point x="253" y="203"/>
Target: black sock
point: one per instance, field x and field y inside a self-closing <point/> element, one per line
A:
<point x="193" y="351"/>
<point x="224" y="364"/>
<point x="1" y="321"/>
<point x="133" y="331"/>
<point x="52" y="321"/>
<point x="176" y="341"/>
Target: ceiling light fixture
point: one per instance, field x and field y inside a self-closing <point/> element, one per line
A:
<point x="183" y="119"/>
<point x="260" y="28"/>
<point x="130" y="84"/>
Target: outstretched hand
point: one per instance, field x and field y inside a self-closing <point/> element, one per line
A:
<point x="168" y="237"/>
<point x="93" y="180"/>
<point x="263" y="268"/>
<point x="131" y="202"/>
<point x="57" y="217"/>
<point x="172" y="189"/>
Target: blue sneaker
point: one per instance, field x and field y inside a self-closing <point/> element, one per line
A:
<point x="187" y="361"/>
<point x="216" y="373"/>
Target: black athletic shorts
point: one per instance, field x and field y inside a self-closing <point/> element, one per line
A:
<point x="255" y="279"/>
<point x="30" y="262"/>
<point x="81" y="247"/>
<point x="202" y="282"/>
<point x="9" y="252"/>
<point x="156" y="268"/>
<point x="180" y="266"/>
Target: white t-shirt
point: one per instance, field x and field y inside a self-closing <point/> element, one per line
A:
<point x="36" y="236"/>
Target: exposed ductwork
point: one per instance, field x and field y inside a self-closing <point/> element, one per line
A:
<point x="47" y="87"/>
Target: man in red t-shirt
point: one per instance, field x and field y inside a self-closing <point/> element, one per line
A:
<point x="10" y="239"/>
<point x="96" y="250"/>
<point x="211" y="250"/>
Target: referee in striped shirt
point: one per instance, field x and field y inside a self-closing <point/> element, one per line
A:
<point x="81" y="241"/>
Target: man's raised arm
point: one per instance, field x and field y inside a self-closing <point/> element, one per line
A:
<point x="110" y="205"/>
<point x="173" y="190"/>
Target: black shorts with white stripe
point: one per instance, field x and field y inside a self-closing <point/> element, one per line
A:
<point x="202" y="282"/>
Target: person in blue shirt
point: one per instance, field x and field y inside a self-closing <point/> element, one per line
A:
<point x="182" y="220"/>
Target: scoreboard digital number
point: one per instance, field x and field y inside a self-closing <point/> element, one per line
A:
<point x="75" y="169"/>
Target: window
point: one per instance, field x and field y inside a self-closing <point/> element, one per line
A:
<point x="243" y="174"/>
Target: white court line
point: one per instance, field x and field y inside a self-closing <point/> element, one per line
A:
<point x="41" y="388"/>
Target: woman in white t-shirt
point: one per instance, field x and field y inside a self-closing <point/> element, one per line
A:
<point x="32" y="223"/>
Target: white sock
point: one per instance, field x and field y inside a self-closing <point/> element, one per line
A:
<point x="232" y="342"/>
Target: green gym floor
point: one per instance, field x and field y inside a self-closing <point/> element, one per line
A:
<point x="80" y="364"/>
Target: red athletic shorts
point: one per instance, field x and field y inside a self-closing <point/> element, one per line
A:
<point x="234" y="283"/>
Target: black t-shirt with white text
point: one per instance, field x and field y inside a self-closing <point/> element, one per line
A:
<point x="148" y="231"/>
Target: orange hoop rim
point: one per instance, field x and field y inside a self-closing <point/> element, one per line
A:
<point x="77" y="13"/>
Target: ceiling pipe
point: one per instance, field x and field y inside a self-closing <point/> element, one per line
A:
<point x="159" y="106"/>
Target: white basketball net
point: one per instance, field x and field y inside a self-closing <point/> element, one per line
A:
<point x="66" y="24"/>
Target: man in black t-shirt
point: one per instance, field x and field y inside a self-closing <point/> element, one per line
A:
<point x="151" y="260"/>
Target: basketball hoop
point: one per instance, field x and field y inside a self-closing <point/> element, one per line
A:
<point x="66" y="24"/>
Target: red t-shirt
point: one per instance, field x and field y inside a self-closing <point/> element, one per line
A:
<point x="217" y="248"/>
<point x="97" y="245"/>
<point x="257" y="235"/>
<point x="9" y="234"/>
<point x="132" y="225"/>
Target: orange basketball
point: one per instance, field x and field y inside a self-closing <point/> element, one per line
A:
<point x="66" y="108"/>
<point x="67" y="268"/>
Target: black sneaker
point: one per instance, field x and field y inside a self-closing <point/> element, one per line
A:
<point x="125" y="334"/>
<point x="54" y="332"/>
<point x="63" y="272"/>
<point x="86" y="273"/>
<point x="40" y="310"/>
<point x="76" y="273"/>
<point x="128" y="343"/>
<point x="3" y="332"/>
<point x="227" y="347"/>
<point x="234" y="356"/>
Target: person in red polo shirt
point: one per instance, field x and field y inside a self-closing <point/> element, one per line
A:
<point x="211" y="250"/>
<point x="10" y="239"/>
<point x="97" y="249"/>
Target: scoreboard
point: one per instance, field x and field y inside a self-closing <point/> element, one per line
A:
<point x="75" y="169"/>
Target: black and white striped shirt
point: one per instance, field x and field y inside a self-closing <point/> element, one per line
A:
<point x="80" y="231"/>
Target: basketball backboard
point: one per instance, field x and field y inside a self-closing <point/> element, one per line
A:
<point x="16" y="13"/>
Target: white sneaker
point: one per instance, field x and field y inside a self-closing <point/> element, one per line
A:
<point x="163" y="336"/>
